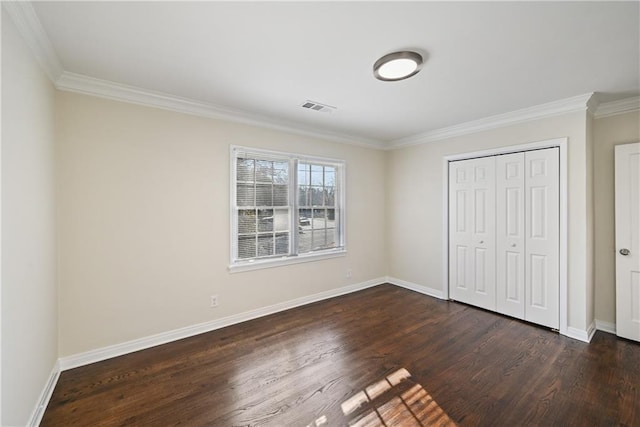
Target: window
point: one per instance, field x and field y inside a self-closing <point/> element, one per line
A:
<point x="285" y="208"/>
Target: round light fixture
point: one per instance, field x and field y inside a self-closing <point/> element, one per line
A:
<point x="397" y="66"/>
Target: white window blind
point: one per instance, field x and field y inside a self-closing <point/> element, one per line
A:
<point x="284" y="206"/>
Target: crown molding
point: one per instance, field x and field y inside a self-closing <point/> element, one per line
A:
<point x="79" y="83"/>
<point x="550" y="109"/>
<point x="26" y="21"/>
<point x="30" y="28"/>
<point x="607" y="109"/>
<point x="592" y="104"/>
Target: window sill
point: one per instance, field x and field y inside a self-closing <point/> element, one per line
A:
<point x="277" y="262"/>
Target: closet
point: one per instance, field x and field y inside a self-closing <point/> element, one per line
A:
<point x="504" y="234"/>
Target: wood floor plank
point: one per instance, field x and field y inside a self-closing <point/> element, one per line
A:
<point x="464" y="366"/>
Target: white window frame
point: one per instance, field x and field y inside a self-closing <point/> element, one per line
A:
<point x="238" y="265"/>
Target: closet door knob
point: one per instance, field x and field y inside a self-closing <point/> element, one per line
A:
<point x="625" y="251"/>
<point x="513" y="245"/>
<point x="481" y="241"/>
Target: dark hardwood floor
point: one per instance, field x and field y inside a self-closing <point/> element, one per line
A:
<point x="382" y="356"/>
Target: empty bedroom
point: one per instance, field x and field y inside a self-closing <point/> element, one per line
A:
<point x="320" y="213"/>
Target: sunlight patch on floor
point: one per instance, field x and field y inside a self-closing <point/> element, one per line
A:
<point x="411" y="407"/>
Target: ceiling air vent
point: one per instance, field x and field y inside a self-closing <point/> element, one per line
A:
<point x="316" y="106"/>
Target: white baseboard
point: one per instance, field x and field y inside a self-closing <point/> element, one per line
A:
<point x="591" y="330"/>
<point x="436" y="293"/>
<point x="45" y="396"/>
<point x="111" y="351"/>
<point x="574" y="333"/>
<point x="606" y="326"/>
<point x="580" y="334"/>
<point x="97" y="355"/>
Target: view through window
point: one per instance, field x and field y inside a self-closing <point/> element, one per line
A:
<point x="285" y="205"/>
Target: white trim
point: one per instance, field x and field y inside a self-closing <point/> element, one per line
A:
<point x="97" y="355"/>
<point x="1" y="210"/>
<point x="92" y="356"/>
<point x="591" y="330"/>
<point x="537" y="145"/>
<point x="621" y="106"/>
<point x="284" y="155"/>
<point x="558" y="142"/>
<point x="28" y="24"/>
<point x="582" y="335"/>
<point x="435" y="293"/>
<point x="45" y="396"/>
<point x="445" y="227"/>
<point x="550" y="109"/>
<point x="233" y="246"/>
<point x="564" y="236"/>
<point x="79" y="83"/>
<point x="26" y="21"/>
<point x="260" y="264"/>
<point x="293" y="257"/>
<point x="608" y="327"/>
<point x="87" y="85"/>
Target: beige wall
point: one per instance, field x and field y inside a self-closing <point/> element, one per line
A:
<point x="135" y="194"/>
<point x="414" y="194"/>
<point x="608" y="132"/>
<point x="144" y="222"/>
<point x="29" y="289"/>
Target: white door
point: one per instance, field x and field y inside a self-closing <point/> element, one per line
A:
<point x="542" y="233"/>
<point x="627" y="216"/>
<point x="510" y="237"/>
<point x="472" y="232"/>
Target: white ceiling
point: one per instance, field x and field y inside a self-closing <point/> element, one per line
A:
<point x="267" y="58"/>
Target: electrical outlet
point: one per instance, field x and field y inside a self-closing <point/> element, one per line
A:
<point x="348" y="275"/>
<point x="214" y="300"/>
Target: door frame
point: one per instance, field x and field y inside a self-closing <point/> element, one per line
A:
<point x="560" y="143"/>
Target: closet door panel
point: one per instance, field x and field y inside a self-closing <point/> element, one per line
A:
<point x="510" y="237"/>
<point x="460" y="265"/>
<point x="472" y="231"/>
<point x="542" y="228"/>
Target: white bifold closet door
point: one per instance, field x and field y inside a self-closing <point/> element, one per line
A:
<point x="527" y="242"/>
<point x="519" y="201"/>
<point x="472" y="234"/>
<point x="510" y="217"/>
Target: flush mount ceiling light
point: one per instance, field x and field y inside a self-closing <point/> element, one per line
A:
<point x="397" y="66"/>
